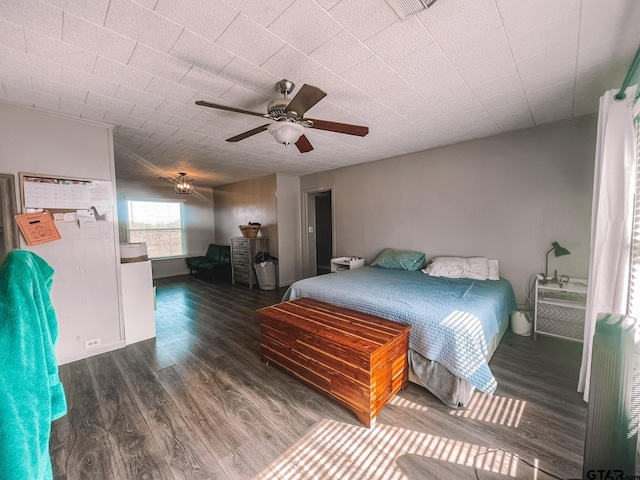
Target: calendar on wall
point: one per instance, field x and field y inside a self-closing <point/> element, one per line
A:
<point x="58" y="193"/>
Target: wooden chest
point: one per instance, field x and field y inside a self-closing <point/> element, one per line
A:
<point x="358" y="359"/>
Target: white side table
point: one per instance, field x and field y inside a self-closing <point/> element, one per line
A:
<point x="560" y="310"/>
<point x="340" y="264"/>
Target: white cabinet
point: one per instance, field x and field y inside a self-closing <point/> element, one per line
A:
<point x="339" y="264"/>
<point x="138" y="301"/>
<point x="560" y="309"/>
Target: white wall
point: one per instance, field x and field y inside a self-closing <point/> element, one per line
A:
<point x="506" y="197"/>
<point x="274" y="202"/>
<point x="199" y="220"/>
<point x="289" y="229"/>
<point x="85" y="291"/>
<point x="243" y="202"/>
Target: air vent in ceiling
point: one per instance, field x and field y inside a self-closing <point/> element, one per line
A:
<point x="406" y="8"/>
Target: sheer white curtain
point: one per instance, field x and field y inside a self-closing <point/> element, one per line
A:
<point x="611" y="218"/>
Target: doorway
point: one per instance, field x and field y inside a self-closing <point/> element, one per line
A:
<point x="319" y="228"/>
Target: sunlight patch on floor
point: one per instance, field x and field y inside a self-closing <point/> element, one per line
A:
<point x="404" y="403"/>
<point x="493" y="409"/>
<point x="337" y="450"/>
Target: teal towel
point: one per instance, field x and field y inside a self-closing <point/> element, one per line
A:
<point x="31" y="395"/>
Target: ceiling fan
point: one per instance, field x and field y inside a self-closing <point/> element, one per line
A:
<point x="288" y="114"/>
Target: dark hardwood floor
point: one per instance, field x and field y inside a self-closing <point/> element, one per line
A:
<point x="196" y="403"/>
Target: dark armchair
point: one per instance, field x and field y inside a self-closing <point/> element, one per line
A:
<point x="216" y="263"/>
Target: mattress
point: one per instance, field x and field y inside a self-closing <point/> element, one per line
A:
<point x="454" y="322"/>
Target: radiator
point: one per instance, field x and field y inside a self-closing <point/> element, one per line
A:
<point x="612" y="419"/>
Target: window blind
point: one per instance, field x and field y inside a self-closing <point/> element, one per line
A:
<point x="634" y="280"/>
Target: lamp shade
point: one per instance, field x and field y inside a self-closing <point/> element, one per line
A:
<point x="183" y="184"/>
<point x="285" y="132"/>
<point x="558" y="251"/>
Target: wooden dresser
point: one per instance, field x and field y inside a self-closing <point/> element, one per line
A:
<point x="243" y="250"/>
<point x="357" y="359"/>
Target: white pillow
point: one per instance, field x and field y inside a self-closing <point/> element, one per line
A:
<point x="476" y="268"/>
<point x="493" y="270"/>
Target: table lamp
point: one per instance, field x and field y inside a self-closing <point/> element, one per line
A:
<point x="558" y="252"/>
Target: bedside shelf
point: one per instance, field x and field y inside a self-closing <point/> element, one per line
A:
<point x="560" y="310"/>
<point x="340" y="264"/>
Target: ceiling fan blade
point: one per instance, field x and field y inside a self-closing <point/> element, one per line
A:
<point x="304" y="145"/>
<point x="306" y="98"/>
<point x="347" y="128"/>
<point x="244" y="135"/>
<point x="230" y="109"/>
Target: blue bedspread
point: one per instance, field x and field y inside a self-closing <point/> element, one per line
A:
<point x="452" y="320"/>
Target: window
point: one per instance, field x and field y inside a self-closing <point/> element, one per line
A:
<point x="634" y="284"/>
<point x="159" y="224"/>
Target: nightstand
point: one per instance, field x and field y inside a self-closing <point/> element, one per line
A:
<point x="560" y="309"/>
<point x="340" y="264"/>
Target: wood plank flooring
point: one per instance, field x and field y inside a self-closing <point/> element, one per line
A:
<point x="196" y="403"/>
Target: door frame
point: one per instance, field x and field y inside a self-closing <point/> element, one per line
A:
<point x="309" y="267"/>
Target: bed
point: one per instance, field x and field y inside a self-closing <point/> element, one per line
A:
<point x="456" y="324"/>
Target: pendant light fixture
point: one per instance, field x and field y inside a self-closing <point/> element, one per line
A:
<point x="183" y="184"/>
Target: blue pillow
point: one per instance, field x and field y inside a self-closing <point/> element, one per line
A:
<point x="400" y="260"/>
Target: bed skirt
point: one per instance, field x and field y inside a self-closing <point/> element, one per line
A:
<point x="451" y="390"/>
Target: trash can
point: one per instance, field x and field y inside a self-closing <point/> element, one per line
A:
<point x="521" y="323"/>
<point x="265" y="267"/>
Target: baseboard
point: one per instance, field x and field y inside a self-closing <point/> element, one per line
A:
<point x="74" y="357"/>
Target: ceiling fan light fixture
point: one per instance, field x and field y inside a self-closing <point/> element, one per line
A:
<point x="183" y="184"/>
<point x="285" y="132"/>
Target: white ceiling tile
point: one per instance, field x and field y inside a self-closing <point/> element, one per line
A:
<point x="249" y="76"/>
<point x="97" y="39"/>
<point x="141" y="24"/>
<point x="187" y="135"/>
<point x="29" y="64"/>
<point x="167" y="139"/>
<point x="14" y="77"/>
<point x="560" y="31"/>
<point x="119" y="72"/>
<point x="150" y="114"/>
<point x="200" y="52"/>
<point x="109" y="103"/>
<point x="170" y="90"/>
<point x="249" y="40"/>
<point x="116" y="118"/>
<point x="58" y="89"/>
<point x="341" y="52"/>
<point x="34" y="15"/>
<point x="290" y="63"/>
<point x="94" y="11"/>
<point x="520" y="17"/>
<point x="138" y="97"/>
<point x="399" y="40"/>
<point x="11" y="36"/>
<point x="158" y="63"/>
<point x="81" y="109"/>
<point x="47" y="48"/>
<point x="31" y="98"/>
<point x="507" y="87"/>
<point x="208" y="18"/>
<point x="364" y="18"/>
<point x="207" y="84"/>
<point x="374" y="77"/>
<point x="560" y="75"/>
<point x="460" y="21"/>
<point x="260" y="11"/>
<point x="85" y="81"/>
<point x="551" y="58"/>
<point x="553" y="111"/>
<point x="240" y="97"/>
<point x="494" y="68"/>
<point x="305" y="25"/>
<point x="179" y="110"/>
<point x="559" y="91"/>
<point x="489" y="44"/>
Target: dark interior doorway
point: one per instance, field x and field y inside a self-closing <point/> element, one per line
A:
<point x="324" y="232"/>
